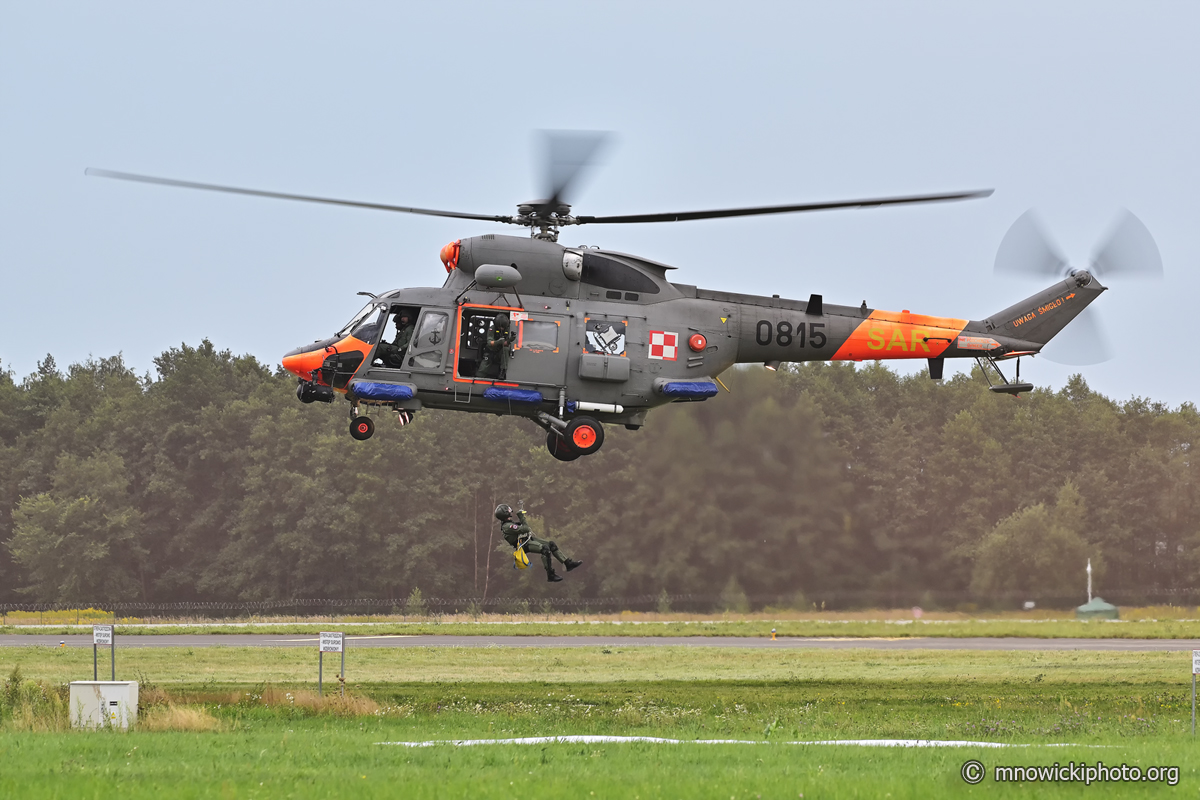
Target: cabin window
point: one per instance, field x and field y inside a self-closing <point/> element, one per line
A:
<point x="432" y="331"/>
<point x="610" y="274"/>
<point x="428" y="346"/>
<point x="539" y="336"/>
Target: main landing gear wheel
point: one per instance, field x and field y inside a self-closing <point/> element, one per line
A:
<point x="559" y="448"/>
<point x="361" y="428"/>
<point x="585" y="435"/>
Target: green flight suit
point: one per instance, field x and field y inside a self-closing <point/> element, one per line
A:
<point x="517" y="531"/>
<point x="403" y="337"/>
<point x="496" y="354"/>
<point x="393" y="354"/>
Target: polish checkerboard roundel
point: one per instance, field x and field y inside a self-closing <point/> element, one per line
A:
<point x="664" y="345"/>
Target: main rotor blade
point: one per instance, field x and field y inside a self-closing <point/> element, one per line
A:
<point x="1082" y="343"/>
<point x="1027" y="250"/>
<point x="126" y="176"/>
<point x="758" y="210"/>
<point x="568" y="153"/>
<point x="1129" y="251"/>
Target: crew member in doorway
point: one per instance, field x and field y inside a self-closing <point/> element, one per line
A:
<point x="497" y="349"/>
<point x="518" y="534"/>
<point x="393" y="353"/>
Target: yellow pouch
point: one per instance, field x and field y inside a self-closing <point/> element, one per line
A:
<point x="522" y="560"/>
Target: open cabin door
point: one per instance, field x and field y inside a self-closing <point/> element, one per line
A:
<point x="538" y="354"/>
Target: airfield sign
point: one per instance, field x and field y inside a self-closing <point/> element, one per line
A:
<point x="103" y="635"/>
<point x="330" y="642"/>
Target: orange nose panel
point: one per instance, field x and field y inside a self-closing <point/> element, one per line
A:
<point x="302" y="364"/>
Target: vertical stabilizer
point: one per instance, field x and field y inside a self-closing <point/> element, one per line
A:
<point x="1040" y="318"/>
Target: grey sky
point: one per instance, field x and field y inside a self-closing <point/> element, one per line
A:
<point x="1077" y="109"/>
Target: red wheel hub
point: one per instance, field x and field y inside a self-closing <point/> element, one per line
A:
<point x="363" y="427"/>
<point x="583" y="437"/>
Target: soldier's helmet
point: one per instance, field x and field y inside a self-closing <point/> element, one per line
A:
<point x="502" y="322"/>
<point x="404" y="318"/>
<point x="504" y="512"/>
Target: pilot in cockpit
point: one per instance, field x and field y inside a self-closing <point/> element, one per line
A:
<point x="392" y="354"/>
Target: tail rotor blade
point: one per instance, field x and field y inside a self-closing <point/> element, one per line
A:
<point x="1128" y="252"/>
<point x="1027" y="250"/>
<point x="568" y="153"/>
<point x="1082" y="343"/>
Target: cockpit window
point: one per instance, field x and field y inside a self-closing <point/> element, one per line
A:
<point x="611" y="274"/>
<point x="358" y="318"/>
<point x="368" y="327"/>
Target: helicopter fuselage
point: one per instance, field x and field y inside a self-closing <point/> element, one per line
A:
<point x="607" y="336"/>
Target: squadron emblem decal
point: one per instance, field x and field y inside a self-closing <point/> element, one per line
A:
<point x="664" y="345"/>
<point x="607" y="338"/>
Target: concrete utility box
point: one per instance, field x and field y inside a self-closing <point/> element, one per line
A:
<point x="104" y="704"/>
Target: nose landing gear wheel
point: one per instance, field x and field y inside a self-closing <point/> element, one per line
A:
<point x="585" y="435"/>
<point x="361" y="428"/>
<point x="559" y="448"/>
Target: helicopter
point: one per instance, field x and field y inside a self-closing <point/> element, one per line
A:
<point x="598" y="337"/>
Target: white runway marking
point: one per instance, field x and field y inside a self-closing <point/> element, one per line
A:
<point x="657" y="740"/>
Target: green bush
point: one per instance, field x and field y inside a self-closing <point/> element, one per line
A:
<point x="33" y="705"/>
<point x="415" y="605"/>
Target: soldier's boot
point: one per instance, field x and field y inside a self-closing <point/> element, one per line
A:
<point x="569" y="563"/>
<point x="551" y="575"/>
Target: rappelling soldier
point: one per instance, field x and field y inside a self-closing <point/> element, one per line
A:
<point x="518" y="534"/>
<point x="393" y="353"/>
<point x="496" y="349"/>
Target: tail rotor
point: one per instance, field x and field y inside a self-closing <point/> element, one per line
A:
<point x="1128" y="251"/>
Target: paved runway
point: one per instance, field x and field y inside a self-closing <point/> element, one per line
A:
<point x="797" y="643"/>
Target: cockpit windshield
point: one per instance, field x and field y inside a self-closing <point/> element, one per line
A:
<point x="366" y="324"/>
<point x="356" y="319"/>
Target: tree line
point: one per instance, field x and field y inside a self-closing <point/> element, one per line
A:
<point x="824" y="483"/>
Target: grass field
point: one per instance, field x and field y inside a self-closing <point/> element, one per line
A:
<point x="244" y="722"/>
<point x="339" y="760"/>
<point x="247" y="666"/>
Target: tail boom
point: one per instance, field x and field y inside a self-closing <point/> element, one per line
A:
<point x="775" y="330"/>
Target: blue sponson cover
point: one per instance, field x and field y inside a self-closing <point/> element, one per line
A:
<point x="382" y="391"/>
<point x="689" y="389"/>
<point x="501" y="394"/>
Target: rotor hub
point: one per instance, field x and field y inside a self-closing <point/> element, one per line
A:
<point x="544" y="218"/>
